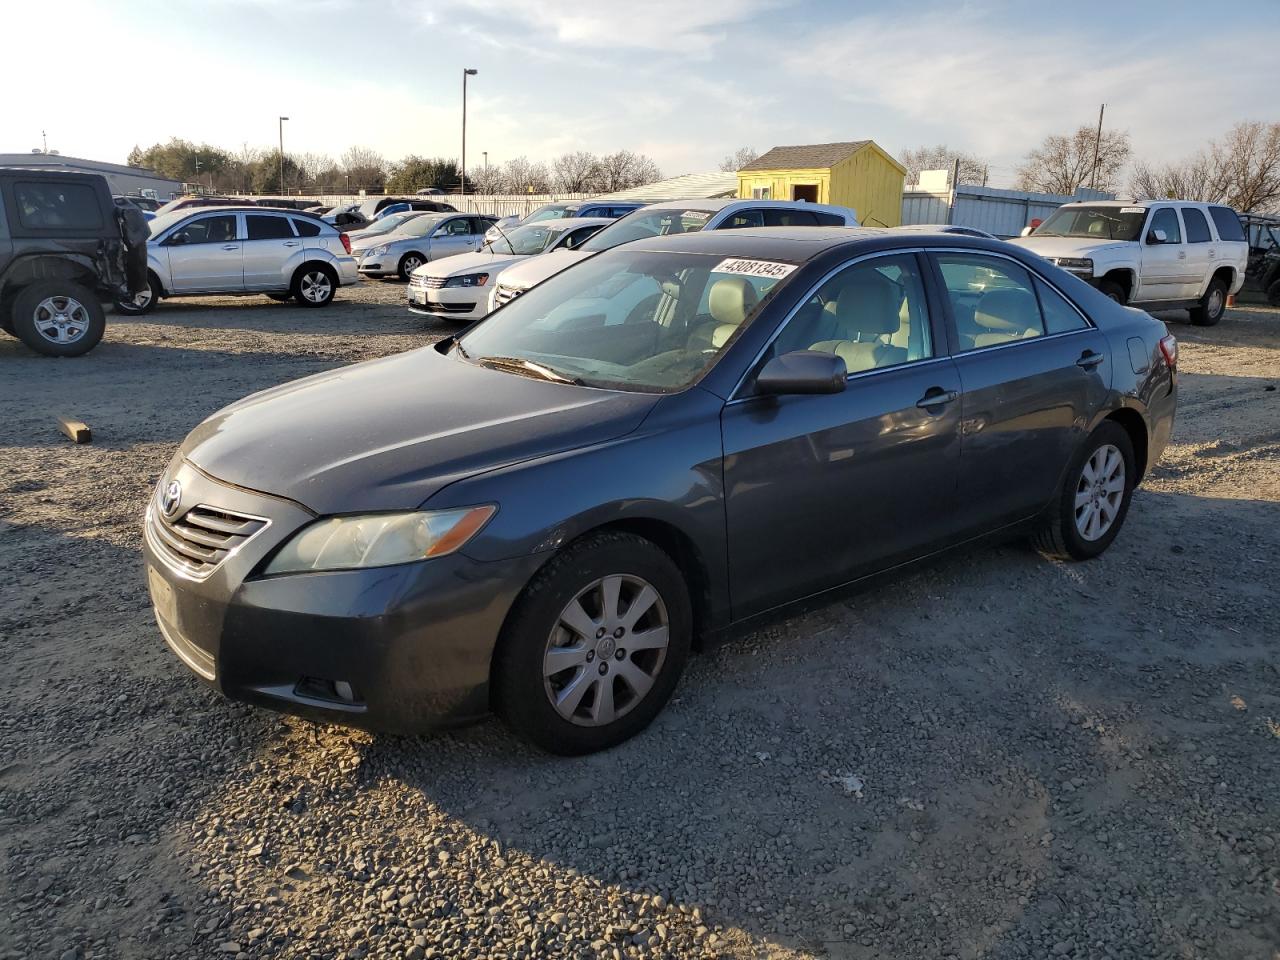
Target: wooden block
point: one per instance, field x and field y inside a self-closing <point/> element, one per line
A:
<point x="77" y="430"/>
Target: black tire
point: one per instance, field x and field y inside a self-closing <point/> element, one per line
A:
<point x="1212" y="305"/>
<point x="521" y="695"/>
<point x="1060" y="538"/>
<point x="130" y="308"/>
<point x="1113" y="290"/>
<point x="1273" y="294"/>
<point x="307" y="280"/>
<point x="85" y="322"/>
<point x="410" y="262"/>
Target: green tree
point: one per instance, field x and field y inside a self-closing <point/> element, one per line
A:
<point x="416" y="173"/>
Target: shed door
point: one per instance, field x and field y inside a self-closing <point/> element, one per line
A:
<point x="805" y="191"/>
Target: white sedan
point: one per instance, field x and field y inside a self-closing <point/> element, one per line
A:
<point x="459" y="287"/>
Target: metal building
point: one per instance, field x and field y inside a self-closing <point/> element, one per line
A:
<point x="123" y="180"/>
<point x="1001" y="212"/>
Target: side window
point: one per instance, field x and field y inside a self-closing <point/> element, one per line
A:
<point x="761" y="193"/>
<point x="789" y="218"/>
<point x="57" y="206"/>
<point x="743" y="218"/>
<point x="480" y="224"/>
<point x="992" y="299"/>
<point x="457" y="227"/>
<point x="219" y="229"/>
<point x="1228" y="224"/>
<point x="1166" y="219"/>
<point x="1197" y="225"/>
<point x="267" y="228"/>
<point x="872" y="314"/>
<point x="827" y="219"/>
<point x="1059" y="315"/>
<point x="306" y="228"/>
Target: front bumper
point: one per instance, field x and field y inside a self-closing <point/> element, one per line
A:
<point x="462" y="303"/>
<point x="402" y="649"/>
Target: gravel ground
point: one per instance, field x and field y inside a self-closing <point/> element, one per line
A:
<point x="997" y="756"/>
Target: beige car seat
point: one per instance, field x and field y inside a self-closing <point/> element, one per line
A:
<point x="867" y="309"/>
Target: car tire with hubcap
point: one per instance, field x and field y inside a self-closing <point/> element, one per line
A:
<point x="58" y="318"/>
<point x="1095" y="497"/>
<point x="1212" y="305"/>
<point x="1113" y="291"/>
<point x="594" y="647"/>
<point x="144" y="302"/>
<point x="409" y="263"/>
<point x="314" y="285"/>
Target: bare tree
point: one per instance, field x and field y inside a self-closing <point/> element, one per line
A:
<point x="485" y="180"/>
<point x="576" y="172"/>
<point x="366" y="168"/>
<point x="1064" y="162"/>
<point x="624" y="169"/>
<point x="522" y="175"/>
<point x="738" y="159"/>
<point x="973" y="169"/>
<point x="1242" y="170"/>
<point x="1191" y="179"/>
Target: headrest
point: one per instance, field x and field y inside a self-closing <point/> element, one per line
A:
<point x="868" y="305"/>
<point x="731" y="300"/>
<point x="1007" y="311"/>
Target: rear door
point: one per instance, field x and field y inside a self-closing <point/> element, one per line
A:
<point x="270" y="243"/>
<point x="1201" y="251"/>
<point x="1165" y="273"/>
<point x="1033" y="372"/>
<point x="205" y="254"/>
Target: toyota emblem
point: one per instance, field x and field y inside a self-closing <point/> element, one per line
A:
<point x="171" y="499"/>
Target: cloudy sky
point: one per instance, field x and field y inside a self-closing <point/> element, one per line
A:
<point x="685" y="81"/>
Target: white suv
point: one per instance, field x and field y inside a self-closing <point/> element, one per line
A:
<point x="1155" y="254"/>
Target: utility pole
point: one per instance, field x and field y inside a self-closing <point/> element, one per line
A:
<point x="282" y="120"/>
<point x="466" y="72"/>
<point x="45" y="138"/>
<point x="1097" y="141"/>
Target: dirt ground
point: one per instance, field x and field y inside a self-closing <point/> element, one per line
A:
<point x="994" y="757"/>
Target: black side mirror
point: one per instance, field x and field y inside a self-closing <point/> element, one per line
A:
<point x="1157" y="236"/>
<point x="178" y="239"/>
<point x="803" y="371"/>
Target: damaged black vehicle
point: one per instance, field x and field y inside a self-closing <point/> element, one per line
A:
<point x="66" y="248"/>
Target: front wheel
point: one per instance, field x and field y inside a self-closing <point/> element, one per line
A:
<point x="595" y="645"/>
<point x="314" y="286"/>
<point x="409" y="263"/>
<point x="1212" y="305"/>
<point x="1095" y="497"/>
<point x="1113" y="291"/>
<point x="58" y="318"/>
<point x="143" y="303"/>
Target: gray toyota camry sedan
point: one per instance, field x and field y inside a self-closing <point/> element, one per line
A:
<point x="542" y="515"/>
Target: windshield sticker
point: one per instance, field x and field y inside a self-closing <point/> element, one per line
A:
<point x="1133" y="209"/>
<point x="754" y="268"/>
<point x="695" y="215"/>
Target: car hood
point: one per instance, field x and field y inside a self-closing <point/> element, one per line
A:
<point x="1068" y="246"/>
<point x="464" y="263"/>
<point x="388" y="434"/>
<point x="533" y="270"/>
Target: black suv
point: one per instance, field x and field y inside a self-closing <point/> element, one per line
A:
<point x="1262" y="276"/>
<point x="66" y="248"/>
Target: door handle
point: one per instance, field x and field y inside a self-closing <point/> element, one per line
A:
<point x="1089" y="359"/>
<point x="231" y="246"/>
<point x="291" y="243"/>
<point x="1182" y="254"/>
<point x="936" y="397"/>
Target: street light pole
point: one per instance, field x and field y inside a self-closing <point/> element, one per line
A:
<point x="282" y="120"/>
<point x="466" y="72"/>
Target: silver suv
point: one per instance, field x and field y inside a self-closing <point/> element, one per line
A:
<point x="241" y="250"/>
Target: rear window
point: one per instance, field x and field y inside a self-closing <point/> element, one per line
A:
<point x="57" y="206"/>
<point x="267" y="228"/>
<point x="1227" y="222"/>
<point x="306" y="228"/>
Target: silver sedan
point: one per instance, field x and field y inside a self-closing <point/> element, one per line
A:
<point x="421" y="240"/>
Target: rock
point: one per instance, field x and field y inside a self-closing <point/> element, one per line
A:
<point x="1063" y="947"/>
<point x="229" y="946"/>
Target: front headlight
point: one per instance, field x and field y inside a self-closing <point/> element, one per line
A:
<point x="377" y="251"/>
<point x="1076" y="263"/>
<point x="470" y="280"/>
<point x="379" y="539"/>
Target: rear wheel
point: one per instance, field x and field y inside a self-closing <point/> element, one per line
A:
<point x="1113" y="290"/>
<point x="1095" y="497"/>
<point x="409" y="263"/>
<point x="595" y="645"/>
<point x="314" y="285"/>
<point x="59" y="318"/>
<point x="1212" y="305"/>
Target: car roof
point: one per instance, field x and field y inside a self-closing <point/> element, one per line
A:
<point x="569" y="223"/>
<point x="726" y="203"/>
<point x="1141" y="203"/>
<point x="801" y="244"/>
<point x="251" y="208"/>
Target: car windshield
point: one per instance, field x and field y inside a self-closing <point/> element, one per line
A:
<point x="163" y="221"/>
<point x="628" y="320"/>
<point x="1094" y="223"/>
<point x="524" y="240"/>
<point x="419" y="226"/>
<point x="388" y="224"/>
<point x="552" y="211"/>
<point x="648" y="223"/>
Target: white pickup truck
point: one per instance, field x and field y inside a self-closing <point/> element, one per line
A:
<point x="1154" y="254"/>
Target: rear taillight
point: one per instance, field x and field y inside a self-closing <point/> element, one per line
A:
<point x="1169" y="348"/>
<point x="346" y="242"/>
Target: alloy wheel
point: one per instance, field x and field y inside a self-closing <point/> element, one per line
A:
<point x="1216" y="302"/>
<point x="61" y="319"/>
<point x="606" y="650"/>
<point x="411" y="264"/>
<point x="1099" y="492"/>
<point x="316" y="286"/>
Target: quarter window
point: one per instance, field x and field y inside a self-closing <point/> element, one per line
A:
<point x="1166" y="219"/>
<point x="1228" y="224"/>
<point x="993" y="300"/>
<point x="827" y="219"/>
<point x="57" y="206"/>
<point x="872" y="314"/>
<point x="1197" y="225"/>
<point x="1059" y="315"/>
<point x="267" y="228"/>
<point x="306" y="228"/>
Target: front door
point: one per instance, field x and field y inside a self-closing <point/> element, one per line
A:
<point x="269" y="245"/>
<point x="205" y="255"/>
<point x="822" y="489"/>
<point x="453" y="236"/>
<point x="1164" y="262"/>
<point x="1033" y="373"/>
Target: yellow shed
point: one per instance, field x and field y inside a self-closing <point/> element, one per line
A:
<point x="856" y="174"/>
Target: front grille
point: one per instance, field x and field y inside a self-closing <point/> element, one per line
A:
<point x="201" y="538"/>
<point x="505" y="294"/>
<point x="433" y="283"/>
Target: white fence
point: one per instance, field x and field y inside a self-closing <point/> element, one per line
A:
<point x="1002" y="212"/>
<point x="499" y="205"/>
